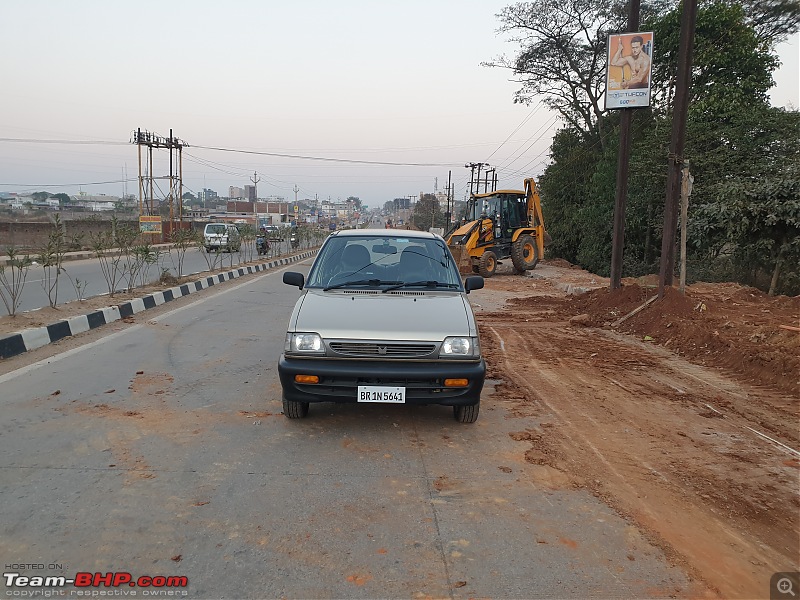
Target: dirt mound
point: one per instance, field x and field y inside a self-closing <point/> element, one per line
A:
<point x="559" y="262"/>
<point x="726" y="325"/>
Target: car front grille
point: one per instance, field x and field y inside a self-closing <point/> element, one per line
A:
<point x="379" y="350"/>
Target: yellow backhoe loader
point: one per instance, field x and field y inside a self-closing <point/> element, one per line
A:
<point x="499" y="225"/>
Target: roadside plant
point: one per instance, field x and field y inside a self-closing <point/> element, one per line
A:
<point x="52" y="258"/>
<point x="230" y="257"/>
<point x="12" y="279"/>
<point x="110" y="259"/>
<point x="112" y="249"/>
<point x="79" y="286"/>
<point x="248" y="237"/>
<point x="141" y="258"/>
<point x="182" y="240"/>
<point x="212" y="258"/>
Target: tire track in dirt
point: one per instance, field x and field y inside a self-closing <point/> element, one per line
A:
<point x="717" y="501"/>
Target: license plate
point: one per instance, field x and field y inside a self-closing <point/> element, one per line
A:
<point x="379" y="393"/>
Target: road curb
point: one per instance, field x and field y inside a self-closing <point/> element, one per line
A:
<point x="30" y="339"/>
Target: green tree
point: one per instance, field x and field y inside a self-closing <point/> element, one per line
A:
<point x="734" y="138"/>
<point x="427" y="213"/>
<point x="772" y="20"/>
<point x="566" y="188"/>
<point x="737" y="144"/>
<point x="40" y="196"/>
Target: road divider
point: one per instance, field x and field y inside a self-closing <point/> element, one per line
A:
<point x="30" y="339"/>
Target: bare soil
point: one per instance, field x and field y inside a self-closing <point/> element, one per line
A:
<point x="685" y="418"/>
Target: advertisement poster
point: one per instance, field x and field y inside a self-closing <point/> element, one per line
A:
<point x="628" y="70"/>
<point x="150" y="224"/>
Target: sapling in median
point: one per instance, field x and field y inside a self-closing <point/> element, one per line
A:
<point x="12" y="281"/>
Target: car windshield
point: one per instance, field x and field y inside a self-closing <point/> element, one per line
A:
<point x="215" y="229"/>
<point x="381" y="261"/>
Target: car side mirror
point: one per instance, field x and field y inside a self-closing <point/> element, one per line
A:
<point x="298" y="279"/>
<point x="474" y="282"/>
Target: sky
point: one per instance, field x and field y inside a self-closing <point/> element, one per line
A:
<point x="372" y="80"/>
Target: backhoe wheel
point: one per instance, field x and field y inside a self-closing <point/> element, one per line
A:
<point x="524" y="253"/>
<point x="467" y="414"/>
<point x="487" y="264"/>
<point x="295" y="410"/>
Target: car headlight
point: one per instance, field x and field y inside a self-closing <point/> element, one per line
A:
<point x="304" y="343"/>
<point x="460" y="347"/>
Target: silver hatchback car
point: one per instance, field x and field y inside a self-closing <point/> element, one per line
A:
<point x="383" y="317"/>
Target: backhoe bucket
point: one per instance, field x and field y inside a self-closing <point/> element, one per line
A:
<point x="462" y="258"/>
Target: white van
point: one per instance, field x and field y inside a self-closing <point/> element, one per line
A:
<point x="218" y="237"/>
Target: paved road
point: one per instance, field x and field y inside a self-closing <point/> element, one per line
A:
<point x="160" y="449"/>
<point x="89" y="271"/>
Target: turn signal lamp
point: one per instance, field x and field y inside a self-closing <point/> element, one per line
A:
<point x="306" y="379"/>
<point x="456" y="382"/>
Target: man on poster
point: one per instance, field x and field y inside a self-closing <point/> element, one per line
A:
<point x="638" y="62"/>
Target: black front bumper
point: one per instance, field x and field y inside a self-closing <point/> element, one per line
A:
<point x="423" y="381"/>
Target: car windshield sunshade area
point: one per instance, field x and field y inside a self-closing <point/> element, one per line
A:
<point x="381" y="261"/>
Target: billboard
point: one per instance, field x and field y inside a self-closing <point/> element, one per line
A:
<point x="628" y="70"/>
<point x="150" y="224"/>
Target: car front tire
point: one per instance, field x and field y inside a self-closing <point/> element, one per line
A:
<point x="467" y="414"/>
<point x="293" y="409"/>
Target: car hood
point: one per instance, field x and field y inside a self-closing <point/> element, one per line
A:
<point x="398" y="315"/>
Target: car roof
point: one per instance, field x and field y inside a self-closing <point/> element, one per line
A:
<point x="397" y="233"/>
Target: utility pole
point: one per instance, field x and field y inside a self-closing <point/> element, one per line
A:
<point x="491" y="177"/>
<point x="141" y="179"/>
<point x="473" y="180"/>
<point x="449" y="196"/>
<point x="255" y="179"/>
<point x="180" y="182"/>
<point x="171" y="184"/>
<point x="296" y="189"/>
<point x="618" y="236"/>
<point x="675" y="160"/>
<point x="150" y="141"/>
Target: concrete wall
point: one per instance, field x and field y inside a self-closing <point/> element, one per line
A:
<point x="32" y="236"/>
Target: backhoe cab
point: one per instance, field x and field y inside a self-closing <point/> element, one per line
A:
<point x="499" y="225"/>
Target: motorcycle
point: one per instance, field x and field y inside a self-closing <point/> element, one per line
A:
<point x="262" y="245"/>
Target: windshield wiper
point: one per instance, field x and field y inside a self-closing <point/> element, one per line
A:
<point x="433" y="284"/>
<point x="370" y="282"/>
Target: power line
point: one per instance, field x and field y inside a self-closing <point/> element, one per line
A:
<point x="30" y="185"/>
<point x="525" y="120"/>
<point x="83" y="142"/>
<point x="326" y="159"/>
